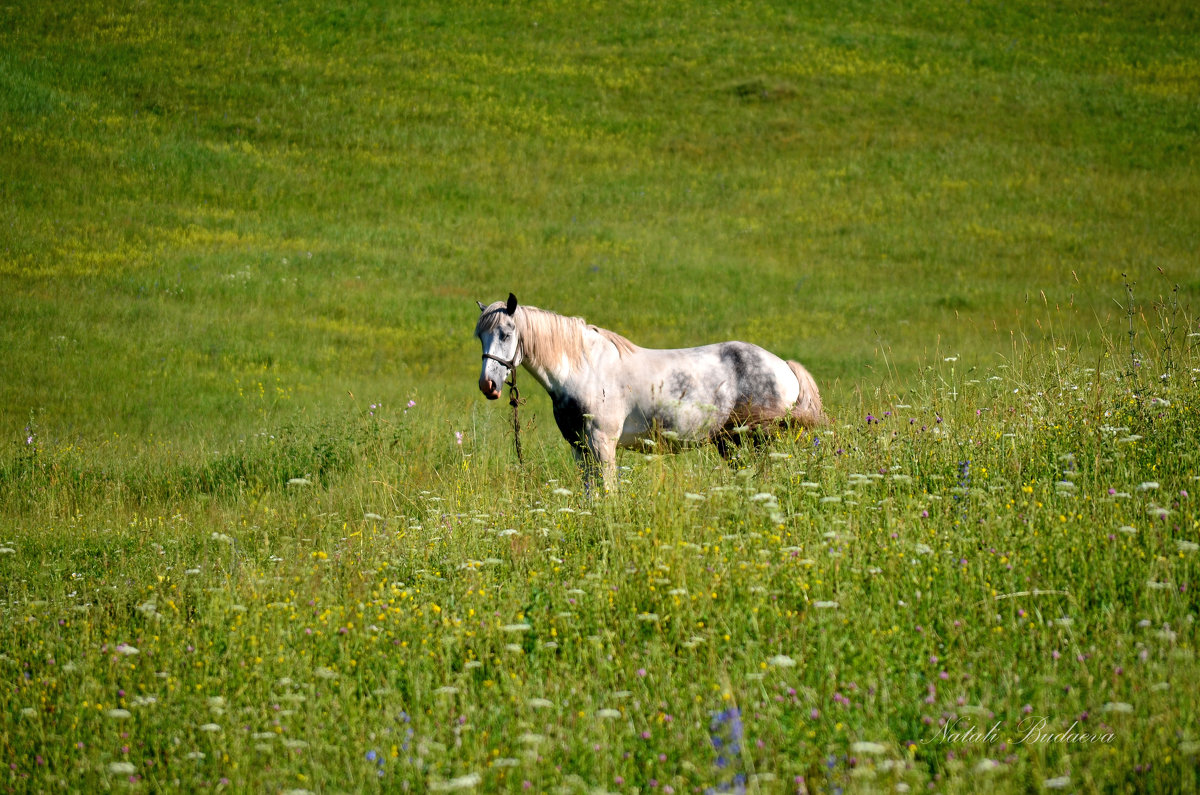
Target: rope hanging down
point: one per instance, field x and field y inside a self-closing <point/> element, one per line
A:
<point x="514" y="400"/>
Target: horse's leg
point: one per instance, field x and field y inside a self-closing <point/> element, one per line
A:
<point x="729" y="444"/>
<point x="606" y="452"/>
<point x="601" y="452"/>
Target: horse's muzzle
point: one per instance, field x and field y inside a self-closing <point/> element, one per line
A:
<point x="488" y="387"/>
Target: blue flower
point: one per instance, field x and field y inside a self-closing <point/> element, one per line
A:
<point x="726" y="733"/>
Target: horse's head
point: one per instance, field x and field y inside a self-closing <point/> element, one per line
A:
<point x="497" y="331"/>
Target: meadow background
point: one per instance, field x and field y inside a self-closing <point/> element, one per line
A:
<point x="260" y="532"/>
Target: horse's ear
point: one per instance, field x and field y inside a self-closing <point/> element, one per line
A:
<point x="512" y="304"/>
<point x="481" y="306"/>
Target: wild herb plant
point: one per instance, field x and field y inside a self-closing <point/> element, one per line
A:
<point x="259" y="532"/>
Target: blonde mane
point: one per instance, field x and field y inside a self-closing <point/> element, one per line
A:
<point x="547" y="337"/>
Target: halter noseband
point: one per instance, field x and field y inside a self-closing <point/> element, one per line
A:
<point x="509" y="363"/>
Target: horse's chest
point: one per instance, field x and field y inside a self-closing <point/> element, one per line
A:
<point x="569" y="416"/>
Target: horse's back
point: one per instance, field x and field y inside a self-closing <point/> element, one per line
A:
<point x="736" y="381"/>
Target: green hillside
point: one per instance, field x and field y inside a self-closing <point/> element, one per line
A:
<point x="260" y="532"/>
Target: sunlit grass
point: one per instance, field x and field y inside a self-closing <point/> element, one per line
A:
<point x="997" y="546"/>
<point x="258" y="530"/>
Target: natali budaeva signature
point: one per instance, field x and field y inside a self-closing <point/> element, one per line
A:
<point x="1031" y="729"/>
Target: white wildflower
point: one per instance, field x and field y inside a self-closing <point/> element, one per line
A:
<point x="866" y="747"/>
<point x="469" y="781"/>
<point x="781" y="661"/>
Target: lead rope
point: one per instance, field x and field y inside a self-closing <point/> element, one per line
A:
<point x="514" y="400"/>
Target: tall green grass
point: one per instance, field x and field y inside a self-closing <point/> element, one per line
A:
<point x="259" y="532"/>
<point x="981" y="579"/>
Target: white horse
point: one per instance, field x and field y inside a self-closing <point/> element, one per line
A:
<point x="606" y="391"/>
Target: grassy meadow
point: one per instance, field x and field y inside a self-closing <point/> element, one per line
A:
<point x="260" y="532"/>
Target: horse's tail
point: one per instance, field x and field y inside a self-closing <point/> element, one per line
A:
<point x="807" y="409"/>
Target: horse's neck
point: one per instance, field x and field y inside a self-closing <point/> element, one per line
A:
<point x="555" y="380"/>
<point x="564" y="376"/>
